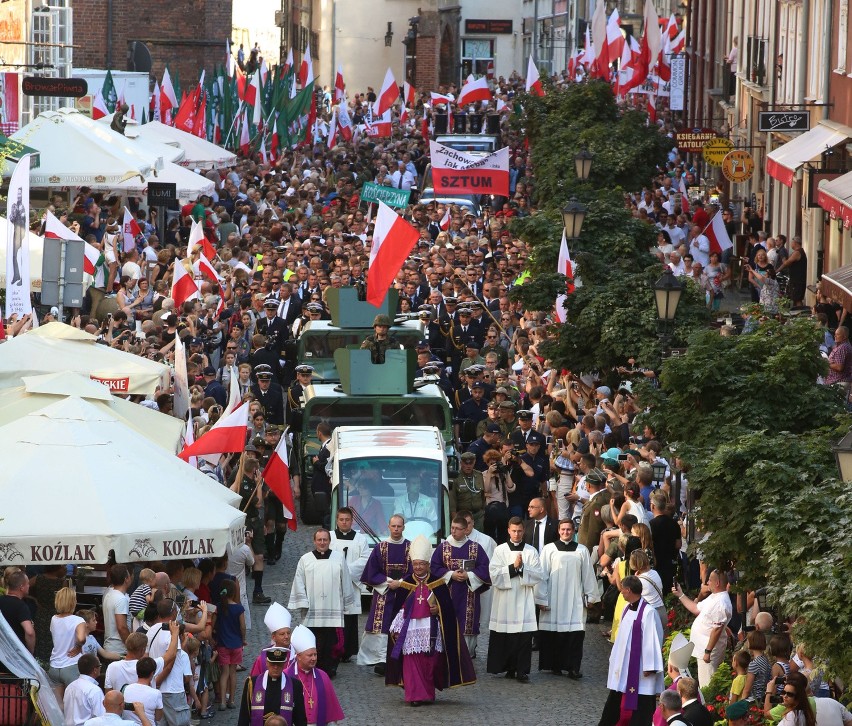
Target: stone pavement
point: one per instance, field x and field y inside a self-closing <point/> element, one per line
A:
<point x="546" y="700"/>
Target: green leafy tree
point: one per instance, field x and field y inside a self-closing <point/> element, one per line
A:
<point x="612" y="315"/>
<point x="745" y="414"/>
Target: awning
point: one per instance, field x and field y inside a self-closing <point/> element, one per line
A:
<point x="783" y="162"/>
<point x="838" y="285"/>
<point x="835" y="197"/>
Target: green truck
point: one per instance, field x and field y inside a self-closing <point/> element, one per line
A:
<point x="351" y="322"/>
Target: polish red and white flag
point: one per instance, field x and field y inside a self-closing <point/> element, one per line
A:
<point x="228" y="436"/>
<point x="339" y="86"/>
<point x="533" y="85"/>
<point x="388" y="95"/>
<point x="719" y="238"/>
<point x="276" y="475"/>
<point x="564" y="267"/>
<point x="54" y="229"/>
<point x="184" y="286"/>
<point x="393" y="239"/>
<point x="474" y="90"/>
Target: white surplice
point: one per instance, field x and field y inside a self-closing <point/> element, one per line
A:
<point x="513" y="602"/>
<point x="567" y="586"/>
<point x="651" y="657"/>
<point x="322" y="588"/>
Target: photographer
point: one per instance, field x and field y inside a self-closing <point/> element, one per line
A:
<point x="498" y="484"/>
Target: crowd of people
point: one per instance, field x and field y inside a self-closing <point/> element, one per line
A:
<point x="564" y="512"/>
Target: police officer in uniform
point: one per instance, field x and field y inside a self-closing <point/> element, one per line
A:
<point x="296" y="396"/>
<point x="272" y="326"/>
<point x="381" y="341"/>
<point x="269" y="394"/>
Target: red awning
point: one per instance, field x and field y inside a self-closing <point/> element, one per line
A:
<point x="835" y="197"/>
<point x="783" y="162"/>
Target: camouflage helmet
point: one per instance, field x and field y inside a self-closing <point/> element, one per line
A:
<point x="382" y="320"/>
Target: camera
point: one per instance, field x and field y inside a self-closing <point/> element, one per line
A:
<point x="501" y="467"/>
<point x="779" y="690"/>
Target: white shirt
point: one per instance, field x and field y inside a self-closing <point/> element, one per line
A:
<point x="108" y="719"/>
<point x="63" y="631"/>
<point x="115" y="603"/>
<point x="120" y="673"/>
<point x="713" y="612"/>
<point x="699" y="248"/>
<point x="83" y="700"/>
<point x="159" y="638"/>
<point x="150" y="698"/>
<point x="173" y="683"/>
<point x="132" y="270"/>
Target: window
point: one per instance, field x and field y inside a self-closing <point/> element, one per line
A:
<point x="394" y="485"/>
<point x="51" y="45"/>
<point x="338" y="413"/>
<point x="476" y="56"/>
<point x="414" y="414"/>
<point x="842" y="29"/>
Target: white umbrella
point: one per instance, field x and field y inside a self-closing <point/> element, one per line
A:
<point x="58" y="346"/>
<point x="77" y="151"/>
<point x="40" y="391"/>
<point x="77" y="483"/>
<point x="199" y="153"/>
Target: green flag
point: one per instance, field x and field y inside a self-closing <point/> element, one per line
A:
<point x="108" y="92"/>
<point x="293" y="122"/>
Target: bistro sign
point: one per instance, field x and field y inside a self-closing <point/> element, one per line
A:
<point x="493" y="27"/>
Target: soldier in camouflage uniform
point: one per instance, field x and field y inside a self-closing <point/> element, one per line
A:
<point x="381" y="341"/>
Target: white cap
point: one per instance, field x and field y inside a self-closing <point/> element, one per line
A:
<point x="302" y="639"/>
<point x="680" y="652"/>
<point x="277" y="617"/>
<point x="420" y="549"/>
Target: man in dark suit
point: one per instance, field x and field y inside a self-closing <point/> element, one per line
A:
<point x="539" y="529"/>
<point x="693" y="711"/>
<point x="289" y="305"/>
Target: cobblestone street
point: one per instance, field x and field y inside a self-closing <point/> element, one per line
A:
<point x="546" y="700"/>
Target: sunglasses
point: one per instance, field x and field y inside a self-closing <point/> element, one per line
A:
<point x="788" y="694"/>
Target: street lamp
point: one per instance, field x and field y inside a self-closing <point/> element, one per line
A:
<point x="573" y="215"/>
<point x="843" y="455"/>
<point x="389" y="35"/>
<point x="667" y="292"/>
<point x="583" y="162"/>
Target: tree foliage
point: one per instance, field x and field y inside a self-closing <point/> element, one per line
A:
<point x="612" y="315"/>
<point x="746" y="416"/>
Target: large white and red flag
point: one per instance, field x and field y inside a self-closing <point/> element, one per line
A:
<point x="440" y="99"/>
<point x="331" y="141"/>
<point x="276" y="475"/>
<point x="600" y="64"/>
<point x="564" y="267"/>
<point x="614" y="38"/>
<point x="99" y="107"/>
<point x="184" y="286"/>
<point x="54" y="229"/>
<point x="306" y="70"/>
<point x="393" y="239"/>
<point x="649" y="48"/>
<point x="339" y="86"/>
<point x="198" y="239"/>
<point x="378" y="126"/>
<point x="454" y="172"/>
<point x="253" y="99"/>
<point x="474" y="89"/>
<point x="181" y="404"/>
<point x="409" y="96"/>
<point x="344" y="121"/>
<point x="533" y="85"/>
<point x="130" y="231"/>
<point x="444" y="224"/>
<point x="168" y="98"/>
<point x="288" y="63"/>
<point x="388" y="95"/>
<point x="228" y="436"/>
<point x="719" y="238"/>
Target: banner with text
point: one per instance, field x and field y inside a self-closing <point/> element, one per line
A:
<point x="454" y="172"/>
<point x="18" y="241"/>
<point x="678" y="82"/>
<point x="391" y="196"/>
